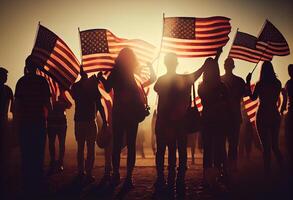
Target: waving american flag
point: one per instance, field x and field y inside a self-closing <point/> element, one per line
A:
<point x="55" y="58"/>
<point x="195" y="37"/>
<point x="100" y="47"/>
<point x="244" y="48"/>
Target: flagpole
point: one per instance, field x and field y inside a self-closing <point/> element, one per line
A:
<point x="158" y="57"/>
<point x="36" y="35"/>
<point x="81" y="61"/>
<point x="158" y="61"/>
<point x="265" y="50"/>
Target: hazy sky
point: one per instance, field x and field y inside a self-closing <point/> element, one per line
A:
<point x="132" y="19"/>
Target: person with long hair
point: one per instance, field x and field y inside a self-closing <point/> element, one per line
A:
<point x="267" y="90"/>
<point x="216" y="118"/>
<point x="128" y="111"/>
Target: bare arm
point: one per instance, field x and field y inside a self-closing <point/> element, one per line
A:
<point x="285" y="99"/>
<point x="153" y="76"/>
<point x="102" y="112"/>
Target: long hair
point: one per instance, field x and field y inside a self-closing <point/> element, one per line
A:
<point x="211" y="74"/>
<point x="126" y="61"/>
<point x="267" y="73"/>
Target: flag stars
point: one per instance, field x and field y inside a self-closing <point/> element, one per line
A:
<point x="94" y="42"/>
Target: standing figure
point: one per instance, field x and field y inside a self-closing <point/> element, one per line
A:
<point x="128" y="111"/>
<point x="288" y="97"/>
<point x="236" y="87"/>
<point x="174" y="100"/>
<point x="6" y="99"/>
<point x="268" y="118"/>
<point x="216" y="116"/>
<point x="247" y="130"/>
<point x="87" y="99"/>
<point x="57" y="126"/>
<point x="32" y="103"/>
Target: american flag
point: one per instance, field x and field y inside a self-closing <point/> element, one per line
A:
<point x="100" y="47"/>
<point x="244" y="48"/>
<point x="195" y="37"/>
<point x="55" y="89"/>
<point x="53" y="85"/>
<point x="251" y="106"/>
<point x="272" y="41"/>
<point x="55" y="58"/>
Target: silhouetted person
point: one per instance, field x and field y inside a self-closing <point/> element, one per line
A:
<point x="57" y="126"/>
<point x="128" y="102"/>
<point x="236" y="87"/>
<point x="288" y="99"/>
<point x="245" y="135"/>
<point x="6" y="99"/>
<point x="216" y="117"/>
<point x="87" y="99"/>
<point x="32" y="102"/>
<point x="174" y="100"/>
<point x="267" y="90"/>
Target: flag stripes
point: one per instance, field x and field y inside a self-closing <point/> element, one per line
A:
<point x="272" y="41"/>
<point x="245" y="48"/>
<point x="53" y="85"/>
<point x="100" y="47"/>
<point x="55" y="58"/>
<point x="195" y="37"/>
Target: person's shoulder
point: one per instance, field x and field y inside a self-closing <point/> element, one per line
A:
<point x="7" y="88"/>
<point x="21" y="80"/>
<point x="238" y="78"/>
<point x="278" y="83"/>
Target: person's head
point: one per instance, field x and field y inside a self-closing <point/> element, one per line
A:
<point x="267" y="72"/>
<point x="30" y="65"/>
<point x="82" y="73"/>
<point x="211" y="73"/>
<point x="126" y="61"/>
<point x="229" y="65"/>
<point x="171" y="62"/>
<point x="290" y="70"/>
<point x="3" y="75"/>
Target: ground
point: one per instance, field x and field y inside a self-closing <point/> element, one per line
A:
<point x="248" y="182"/>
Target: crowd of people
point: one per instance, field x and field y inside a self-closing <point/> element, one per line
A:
<point x="35" y="116"/>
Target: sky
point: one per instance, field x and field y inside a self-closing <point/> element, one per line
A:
<point x="133" y="19"/>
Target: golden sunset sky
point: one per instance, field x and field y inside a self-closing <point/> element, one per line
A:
<point x="133" y="19"/>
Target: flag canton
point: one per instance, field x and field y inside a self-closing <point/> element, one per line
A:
<point x="271" y="34"/>
<point x="46" y="39"/>
<point x="246" y="40"/>
<point x="94" y="41"/>
<point x="179" y="27"/>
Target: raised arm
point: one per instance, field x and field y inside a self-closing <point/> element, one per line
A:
<point x="153" y="76"/>
<point x="108" y="84"/>
<point x="102" y="111"/>
<point x="253" y="95"/>
<point x="285" y="99"/>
